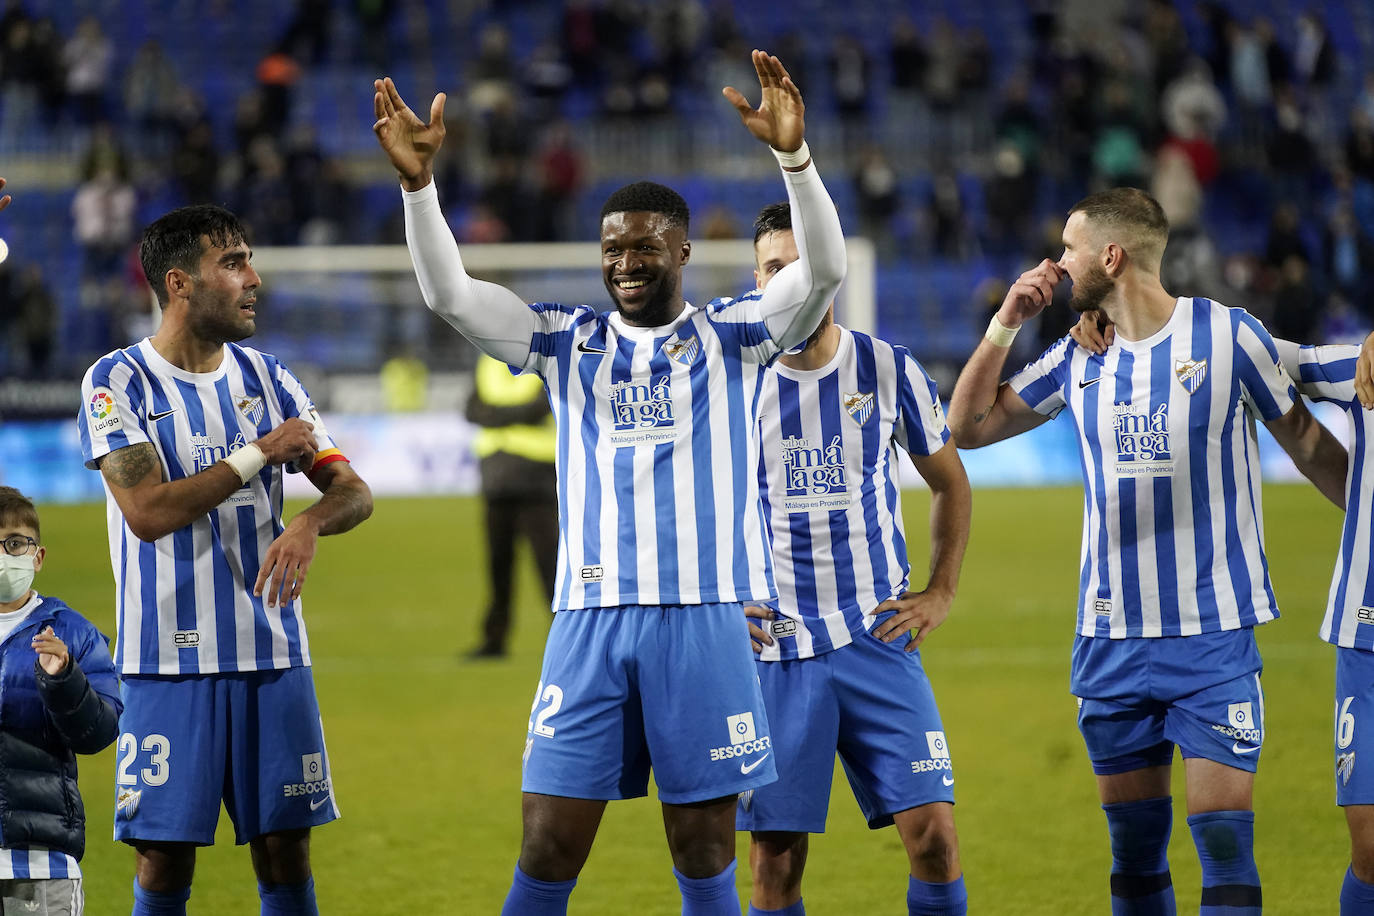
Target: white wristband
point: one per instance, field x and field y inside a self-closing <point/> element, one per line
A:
<point x="795" y="159"/>
<point x="998" y="334"/>
<point x="246" y="461"/>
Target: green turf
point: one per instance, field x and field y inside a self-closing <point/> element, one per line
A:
<point x="425" y="750"/>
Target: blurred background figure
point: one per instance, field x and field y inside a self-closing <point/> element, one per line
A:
<point x="516" y="451"/>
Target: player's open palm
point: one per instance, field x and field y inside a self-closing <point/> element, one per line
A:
<point x="409" y="143"/>
<point x="780" y="119"/>
<point x="919" y="612"/>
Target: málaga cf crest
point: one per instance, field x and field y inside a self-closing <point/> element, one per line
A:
<point x="1190" y="373"/>
<point x="859" y="406"/>
<point x="684" y="351"/>
<point x="250" y="408"/>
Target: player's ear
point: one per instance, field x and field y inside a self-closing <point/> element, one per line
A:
<point x="1113" y="259"/>
<point x="178" y="283"/>
<point x="686" y="251"/>
<point x="38" y="556"/>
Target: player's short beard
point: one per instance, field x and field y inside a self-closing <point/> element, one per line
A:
<point x="656" y="312"/>
<point x="1090" y="289"/>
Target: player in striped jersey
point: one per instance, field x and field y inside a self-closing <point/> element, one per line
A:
<point x="1173" y="575"/>
<point x="839" y="664"/>
<point x="661" y="537"/>
<point x="191" y="433"/>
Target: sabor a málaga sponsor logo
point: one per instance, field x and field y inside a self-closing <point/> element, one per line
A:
<point x="814" y="474"/>
<point x="1142" y="440"/>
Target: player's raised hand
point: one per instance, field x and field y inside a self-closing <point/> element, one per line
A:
<point x="52" y="652"/>
<point x="4" y="201"/>
<point x="409" y="143"/>
<point x="294" y="440"/>
<point x="779" y="120"/>
<point x="758" y="636"/>
<point x="919" y="612"/>
<point x="1364" y="373"/>
<point x="1031" y="292"/>
<point x="1093" y="332"/>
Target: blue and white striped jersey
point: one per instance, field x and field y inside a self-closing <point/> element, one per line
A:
<point x="184" y="603"/>
<point x="37" y="862"/>
<point x="829" y="484"/>
<point x="1328" y="374"/>
<point x="1172" y="524"/>
<point x="656" y="453"/>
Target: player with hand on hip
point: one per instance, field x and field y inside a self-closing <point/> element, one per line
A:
<point x="839" y="662"/>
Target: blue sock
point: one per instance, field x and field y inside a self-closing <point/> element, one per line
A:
<point x="531" y="897"/>
<point x="924" y="898"/>
<point x="1225" y="843"/>
<point x="709" y="896"/>
<point x="288" y="899"/>
<point x="1357" y="898"/>
<point x="1141" y="884"/>
<point x="796" y="909"/>
<point x="153" y="903"/>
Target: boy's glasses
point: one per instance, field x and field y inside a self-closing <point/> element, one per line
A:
<point x="17" y="545"/>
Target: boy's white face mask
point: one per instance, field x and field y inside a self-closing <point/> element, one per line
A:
<point x="16" y="576"/>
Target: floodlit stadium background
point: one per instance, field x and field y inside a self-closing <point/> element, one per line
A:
<point x="954" y="144"/>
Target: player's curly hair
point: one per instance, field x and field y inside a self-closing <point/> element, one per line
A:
<point x="650" y="197"/>
<point x="773" y="218"/>
<point x="173" y="240"/>
<point x="18" y="510"/>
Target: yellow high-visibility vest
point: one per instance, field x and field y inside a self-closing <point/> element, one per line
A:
<point x="499" y="388"/>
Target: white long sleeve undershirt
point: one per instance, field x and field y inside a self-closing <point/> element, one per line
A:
<point x="499" y="323"/>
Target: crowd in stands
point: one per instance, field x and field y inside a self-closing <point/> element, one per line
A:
<point x="953" y="137"/>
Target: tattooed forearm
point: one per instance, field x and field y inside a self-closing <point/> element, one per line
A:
<point x="127" y="466"/>
<point x="983" y="415"/>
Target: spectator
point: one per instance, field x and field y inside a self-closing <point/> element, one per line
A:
<point x="560" y="180"/>
<point x="875" y="186"/>
<point x="1194" y="110"/>
<point x="195" y="163"/>
<point x="87" y="58"/>
<point x="1348" y="255"/>
<point x="850" y="75"/>
<point x="151" y="89"/>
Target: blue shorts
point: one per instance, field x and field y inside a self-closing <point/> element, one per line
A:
<point x="251" y="739"/>
<point x="1354" y="726"/>
<point x="624" y="688"/>
<point x="1140" y="697"/>
<point x="871" y="701"/>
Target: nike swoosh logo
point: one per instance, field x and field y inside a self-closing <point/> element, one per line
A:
<point x="315" y="805"/>
<point x="1236" y="748"/>
<point x="1091" y="381"/>
<point x="154" y="417"/>
<point x="947" y="780"/>
<point x="582" y="345"/>
<point x="747" y="768"/>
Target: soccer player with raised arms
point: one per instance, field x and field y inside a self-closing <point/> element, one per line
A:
<point x="661" y="529"/>
<point x="191" y="433"/>
<point x="839" y="661"/>
<point x="1173" y="574"/>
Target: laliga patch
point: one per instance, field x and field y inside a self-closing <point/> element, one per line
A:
<point x="859" y="406"/>
<point x="1190" y="373"/>
<point x="104" y="416"/>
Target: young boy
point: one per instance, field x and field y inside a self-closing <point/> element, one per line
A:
<point x="58" y="697"/>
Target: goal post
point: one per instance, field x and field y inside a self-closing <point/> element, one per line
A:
<point x="540" y="271"/>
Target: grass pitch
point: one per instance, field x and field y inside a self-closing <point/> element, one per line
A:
<point x="425" y="749"/>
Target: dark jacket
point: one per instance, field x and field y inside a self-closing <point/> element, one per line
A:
<point x="45" y="721"/>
